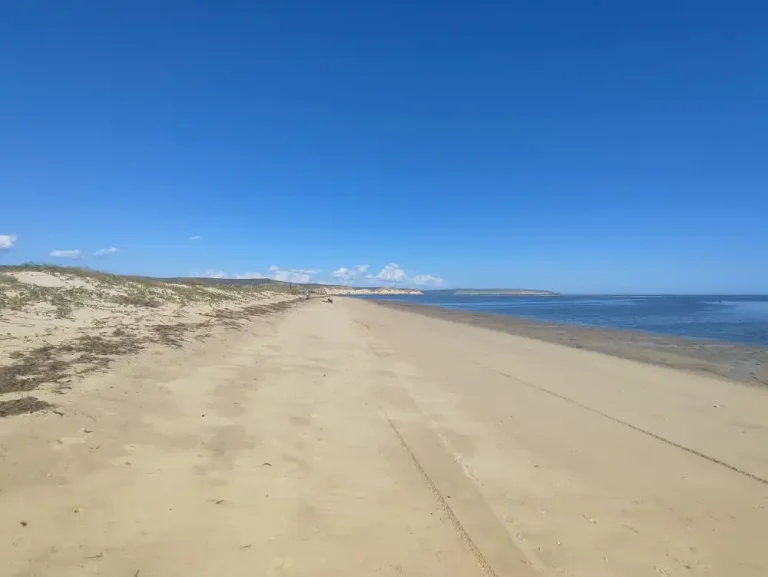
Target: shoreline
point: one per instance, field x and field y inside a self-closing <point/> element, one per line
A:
<point x="499" y="454"/>
<point x="742" y="363"/>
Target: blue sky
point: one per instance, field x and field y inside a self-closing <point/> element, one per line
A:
<point x="573" y="146"/>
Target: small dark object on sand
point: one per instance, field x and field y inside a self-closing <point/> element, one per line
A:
<point x="22" y="405"/>
<point x="328" y="300"/>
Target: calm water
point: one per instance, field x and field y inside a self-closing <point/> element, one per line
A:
<point x="738" y="319"/>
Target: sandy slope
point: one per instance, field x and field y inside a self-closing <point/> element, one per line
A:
<point x="54" y="305"/>
<point x="260" y="453"/>
<point x="58" y="324"/>
<point x="349" y="439"/>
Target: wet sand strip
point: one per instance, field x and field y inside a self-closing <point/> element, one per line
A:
<point x="731" y="361"/>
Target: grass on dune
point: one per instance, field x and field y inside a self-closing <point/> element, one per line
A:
<point x="94" y="346"/>
<point x="127" y="290"/>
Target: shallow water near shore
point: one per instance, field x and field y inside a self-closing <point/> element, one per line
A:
<point x="741" y="319"/>
<point x="732" y="360"/>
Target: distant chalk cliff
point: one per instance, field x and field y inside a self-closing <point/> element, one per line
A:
<point x="367" y="291"/>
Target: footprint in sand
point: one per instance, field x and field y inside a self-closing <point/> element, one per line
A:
<point x="64" y="442"/>
<point x="280" y="564"/>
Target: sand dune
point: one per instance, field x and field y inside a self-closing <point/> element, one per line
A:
<point x="351" y="439"/>
<point x="58" y="324"/>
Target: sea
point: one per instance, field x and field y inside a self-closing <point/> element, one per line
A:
<point x="739" y="319"/>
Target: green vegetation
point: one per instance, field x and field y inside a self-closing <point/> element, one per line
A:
<point x="107" y="317"/>
<point x="127" y="290"/>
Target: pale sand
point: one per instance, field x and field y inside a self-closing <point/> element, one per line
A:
<point x="350" y="440"/>
<point x="56" y="308"/>
<point x="745" y="363"/>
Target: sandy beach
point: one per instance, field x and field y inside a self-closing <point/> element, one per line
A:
<point x="748" y="364"/>
<point x="353" y="439"/>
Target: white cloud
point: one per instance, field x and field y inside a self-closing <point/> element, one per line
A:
<point x="196" y="237"/>
<point x="297" y="275"/>
<point x="427" y="279"/>
<point x="67" y="253"/>
<point x="289" y="276"/>
<point x="345" y="274"/>
<point x="294" y="275"/>
<point x="105" y="251"/>
<point x="7" y="241"/>
<point x="212" y="274"/>
<point x="392" y="273"/>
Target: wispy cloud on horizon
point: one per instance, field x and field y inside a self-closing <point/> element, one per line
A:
<point x="346" y="275"/>
<point x="294" y="275"/>
<point x="67" y="253"/>
<point x="392" y="274"/>
<point x="210" y="273"/>
<point x="427" y="279"/>
<point x="213" y="273"/>
<point x="105" y="251"/>
<point x="7" y="241"/>
<point x="298" y="275"/>
<point x="196" y="237"/>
